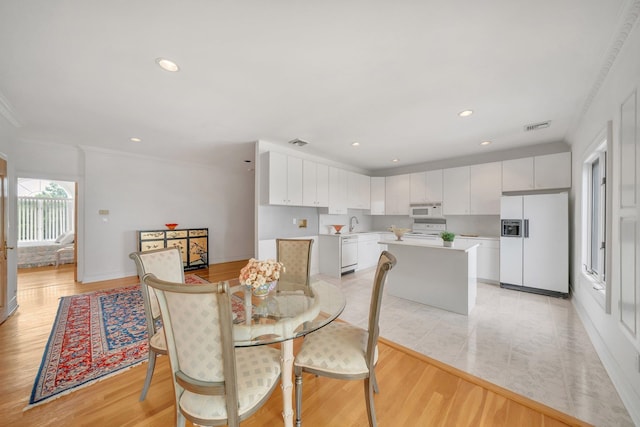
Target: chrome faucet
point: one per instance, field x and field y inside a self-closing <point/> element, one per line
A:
<point x="351" y="226"/>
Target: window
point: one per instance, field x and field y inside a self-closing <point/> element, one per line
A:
<point x="596" y="227"/>
<point x="597" y="247"/>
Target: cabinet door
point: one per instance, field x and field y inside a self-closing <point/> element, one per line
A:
<point x="365" y="192"/>
<point x="337" y="191"/>
<point x="397" y="190"/>
<point x="322" y="185"/>
<point x="294" y="181"/>
<point x="277" y="165"/>
<point x="418" y="187"/>
<point x="489" y="260"/>
<point x="309" y="183"/>
<point x="456" y="191"/>
<point x="377" y="195"/>
<point x="485" y="188"/>
<point x="517" y="174"/>
<point x="433" y="189"/>
<point x="552" y="171"/>
<point x="358" y="191"/>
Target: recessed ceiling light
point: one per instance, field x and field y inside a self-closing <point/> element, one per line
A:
<point x="485" y="143"/>
<point x="395" y="160"/>
<point x="355" y="144"/>
<point x="134" y="139"/>
<point x="465" y="113"/>
<point x="167" y="65"/>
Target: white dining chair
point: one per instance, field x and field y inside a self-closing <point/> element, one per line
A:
<point x="214" y="383"/>
<point x="343" y="351"/>
<point x="165" y="264"/>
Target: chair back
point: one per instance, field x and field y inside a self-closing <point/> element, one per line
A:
<point x="385" y="263"/>
<point x="295" y="255"/>
<point x="165" y="264"/>
<point x="198" y="328"/>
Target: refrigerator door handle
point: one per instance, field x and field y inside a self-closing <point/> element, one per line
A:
<point x="526" y="228"/>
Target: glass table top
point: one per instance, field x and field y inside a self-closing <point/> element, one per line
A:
<point x="283" y="314"/>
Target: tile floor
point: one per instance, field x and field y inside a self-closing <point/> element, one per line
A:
<point x="531" y="344"/>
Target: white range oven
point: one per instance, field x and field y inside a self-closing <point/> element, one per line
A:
<point x="424" y="228"/>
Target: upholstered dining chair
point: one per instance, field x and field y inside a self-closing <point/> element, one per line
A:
<point x="295" y="255"/>
<point x="165" y="264"/>
<point x="343" y="351"/>
<point x="214" y="383"/>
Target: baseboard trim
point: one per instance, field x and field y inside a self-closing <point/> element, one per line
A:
<point x="618" y="377"/>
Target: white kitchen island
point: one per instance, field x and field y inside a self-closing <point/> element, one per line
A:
<point x="431" y="274"/>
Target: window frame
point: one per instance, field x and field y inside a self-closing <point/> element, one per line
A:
<point x="597" y="276"/>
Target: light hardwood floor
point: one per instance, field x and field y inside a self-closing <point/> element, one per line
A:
<point x="415" y="390"/>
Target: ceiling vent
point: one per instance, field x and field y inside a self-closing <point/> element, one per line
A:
<point x="298" y="142"/>
<point x="537" y="126"/>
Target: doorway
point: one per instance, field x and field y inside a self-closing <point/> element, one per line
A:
<point x="47" y="218"/>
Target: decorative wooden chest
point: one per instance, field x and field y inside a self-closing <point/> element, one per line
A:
<point x="192" y="242"/>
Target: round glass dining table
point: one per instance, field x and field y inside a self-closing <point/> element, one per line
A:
<point x="289" y="311"/>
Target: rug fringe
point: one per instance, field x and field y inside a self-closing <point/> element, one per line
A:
<point x="81" y="386"/>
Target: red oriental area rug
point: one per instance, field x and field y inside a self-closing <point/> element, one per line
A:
<point x="94" y="336"/>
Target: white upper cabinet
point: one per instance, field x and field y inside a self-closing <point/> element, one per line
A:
<point x="284" y="179"/>
<point x="426" y="186"/>
<point x="337" y="191"/>
<point x="456" y="191"/>
<point x="552" y="171"/>
<point x="537" y="173"/>
<point x="418" y="191"/>
<point x="397" y="194"/>
<point x="434" y="186"/>
<point x="358" y="191"/>
<point x="517" y="174"/>
<point x="485" y="188"/>
<point x="377" y="195"/>
<point x="315" y="184"/>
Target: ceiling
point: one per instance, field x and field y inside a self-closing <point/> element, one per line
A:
<point x="392" y="76"/>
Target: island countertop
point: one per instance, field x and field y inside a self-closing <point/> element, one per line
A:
<point x="432" y="244"/>
<point x="432" y="274"/>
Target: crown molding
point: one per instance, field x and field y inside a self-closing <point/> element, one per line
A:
<point x="7" y="111"/>
<point x="627" y="24"/>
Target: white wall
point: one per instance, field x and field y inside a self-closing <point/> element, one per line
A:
<point x="618" y="350"/>
<point x="145" y="193"/>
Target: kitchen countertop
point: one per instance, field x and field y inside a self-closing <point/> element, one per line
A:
<point x="432" y="244"/>
<point x="356" y="233"/>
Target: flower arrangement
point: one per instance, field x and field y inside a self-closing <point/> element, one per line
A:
<point x="257" y="273"/>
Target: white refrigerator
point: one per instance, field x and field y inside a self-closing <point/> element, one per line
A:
<point x="534" y="243"/>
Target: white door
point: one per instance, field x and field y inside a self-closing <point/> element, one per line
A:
<point x="3" y="241"/>
<point x="546" y="249"/>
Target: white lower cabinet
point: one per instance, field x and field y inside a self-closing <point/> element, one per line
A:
<point x="368" y="250"/>
<point x="488" y="257"/>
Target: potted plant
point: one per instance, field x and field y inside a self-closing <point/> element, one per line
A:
<point x="447" y="238"/>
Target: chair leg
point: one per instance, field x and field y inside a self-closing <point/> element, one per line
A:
<point x="298" y="372"/>
<point x="375" y="382"/>
<point x="368" y="394"/>
<point x="150" y="367"/>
